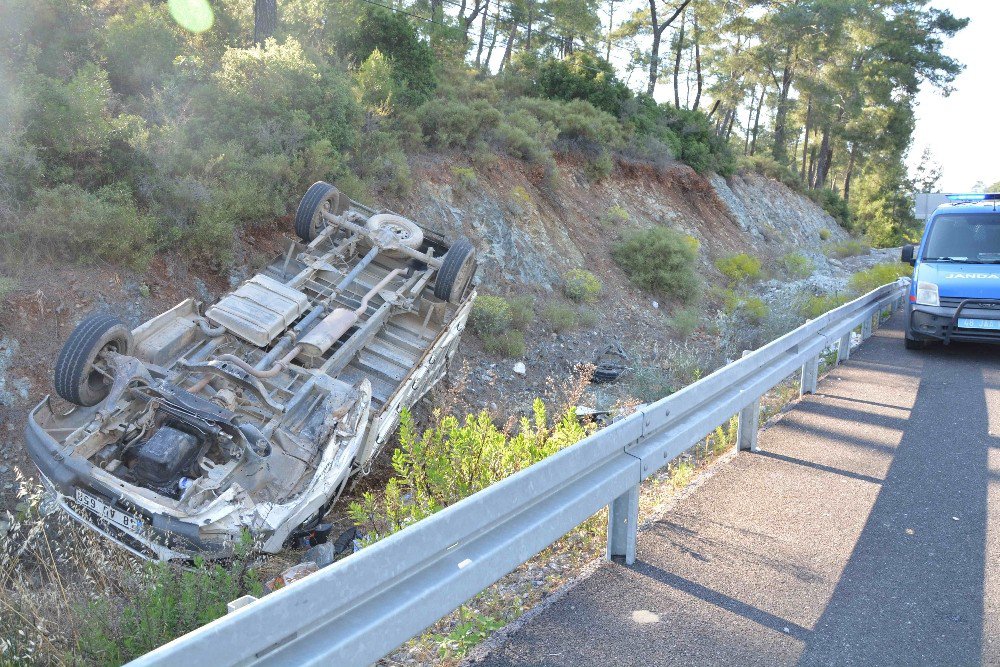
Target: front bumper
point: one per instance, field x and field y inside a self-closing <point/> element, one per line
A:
<point x="941" y="322"/>
<point x="164" y="537"/>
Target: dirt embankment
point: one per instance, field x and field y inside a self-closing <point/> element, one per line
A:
<point x="528" y="234"/>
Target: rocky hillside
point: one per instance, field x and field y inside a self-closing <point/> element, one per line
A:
<point x="529" y="234"/>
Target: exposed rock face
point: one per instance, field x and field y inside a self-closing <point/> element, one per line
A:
<point x="530" y="233"/>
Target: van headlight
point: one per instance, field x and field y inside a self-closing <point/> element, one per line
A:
<point x="927" y="294"/>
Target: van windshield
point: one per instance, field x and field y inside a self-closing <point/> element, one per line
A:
<point x="973" y="239"/>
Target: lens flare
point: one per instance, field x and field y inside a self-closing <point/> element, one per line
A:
<point x="193" y="15"/>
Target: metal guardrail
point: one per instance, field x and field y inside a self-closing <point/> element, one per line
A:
<point x="359" y="609"/>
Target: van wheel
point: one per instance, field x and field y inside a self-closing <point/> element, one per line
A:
<point x="912" y="344"/>
<point x="319" y="198"/>
<point x="78" y="376"/>
<point x="457" y="270"/>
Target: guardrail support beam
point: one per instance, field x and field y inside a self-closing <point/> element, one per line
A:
<point x="866" y="328"/>
<point x="844" y="349"/>
<point x="623" y="526"/>
<point x="747" y="427"/>
<point x="810" y="377"/>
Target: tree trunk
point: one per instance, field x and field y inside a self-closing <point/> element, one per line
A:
<point x="753" y="103"/>
<point x="531" y="20"/>
<point x="677" y="63"/>
<point x="654" y="51"/>
<point x="825" y="157"/>
<point x="265" y="20"/>
<point x="493" y="39"/>
<point x="812" y="167"/>
<point x="510" y="47"/>
<point x="482" y="35"/>
<point x="779" y="150"/>
<point x="850" y="173"/>
<point x="756" y="120"/>
<point x="697" y="63"/>
<point x="805" y="142"/>
<point x="611" y="27"/>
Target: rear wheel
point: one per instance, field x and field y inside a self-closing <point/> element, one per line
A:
<point x="319" y="198"/>
<point x="80" y="377"/>
<point x="457" y="270"/>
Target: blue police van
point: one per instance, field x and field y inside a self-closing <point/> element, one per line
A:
<point x="955" y="293"/>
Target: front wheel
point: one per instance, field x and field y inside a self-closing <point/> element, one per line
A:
<point x="913" y="344"/>
<point x="78" y="376"/>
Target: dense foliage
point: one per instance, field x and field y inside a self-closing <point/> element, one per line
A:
<point x="127" y="128"/>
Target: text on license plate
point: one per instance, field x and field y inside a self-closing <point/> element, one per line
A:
<point x="968" y="323"/>
<point x="121" y="519"/>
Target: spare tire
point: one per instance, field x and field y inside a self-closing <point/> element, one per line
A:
<point x="456" y="272"/>
<point x="76" y="377"/>
<point x="404" y="233"/>
<point x="320" y="197"/>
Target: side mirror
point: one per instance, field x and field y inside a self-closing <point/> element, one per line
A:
<point x="907" y="255"/>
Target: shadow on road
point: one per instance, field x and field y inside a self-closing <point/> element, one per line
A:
<point x="912" y="590"/>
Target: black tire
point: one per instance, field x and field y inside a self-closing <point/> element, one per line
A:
<point x="457" y="270"/>
<point x="76" y="379"/>
<point x="319" y="196"/>
<point x="913" y="344"/>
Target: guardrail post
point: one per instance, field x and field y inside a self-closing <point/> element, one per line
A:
<point x="810" y="377"/>
<point x="866" y="328"/>
<point x="844" y="349"/>
<point x="748" y="425"/>
<point x="623" y="526"/>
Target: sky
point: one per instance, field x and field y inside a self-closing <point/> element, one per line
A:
<point x="956" y="128"/>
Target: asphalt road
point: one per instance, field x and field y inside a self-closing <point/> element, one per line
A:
<point x="865" y="532"/>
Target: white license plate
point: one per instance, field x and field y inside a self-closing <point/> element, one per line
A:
<point x="123" y="520"/>
<point x="968" y="323"/>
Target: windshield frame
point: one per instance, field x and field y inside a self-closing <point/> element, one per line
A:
<point x="992" y="217"/>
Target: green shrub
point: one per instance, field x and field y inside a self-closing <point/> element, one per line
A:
<point x="582" y="75"/>
<point x="508" y="344"/>
<point x="797" y="265"/>
<point x="560" y="316"/>
<point x="377" y="87"/>
<point x="173" y="601"/>
<point x="391" y="33"/>
<point x="587" y="318"/>
<point x="7" y="287"/>
<point x="615" y="216"/>
<point x="754" y="309"/>
<point x="599" y="168"/>
<point x="814" y="306"/>
<point x="454" y="459"/>
<point x="878" y="275"/>
<point x="660" y="259"/>
<point x="848" y="248"/>
<point x="834" y="204"/>
<point x="581" y="285"/>
<point x="824" y="234"/>
<point x="465" y="176"/>
<point x="739" y="269"/>
<point x="140" y="45"/>
<point x="490" y="316"/>
<point x="687" y="134"/>
<point x="69" y="121"/>
<point x="684" y="321"/>
<point x="578" y="123"/>
<point x="71" y="224"/>
<point x="522" y="311"/>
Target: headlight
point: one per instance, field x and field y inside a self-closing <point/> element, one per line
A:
<point x="927" y="294"/>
